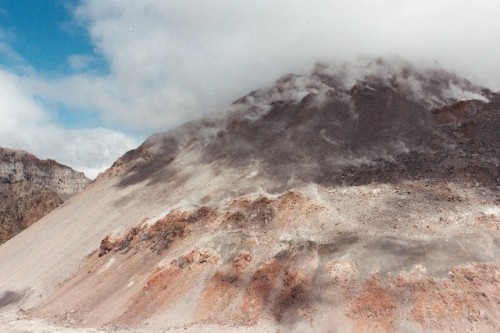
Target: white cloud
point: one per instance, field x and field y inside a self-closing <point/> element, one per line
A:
<point x="26" y="125"/>
<point x="80" y="61"/>
<point x="16" y="108"/>
<point x="173" y="60"/>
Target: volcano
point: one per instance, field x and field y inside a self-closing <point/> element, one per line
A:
<point x="352" y="199"/>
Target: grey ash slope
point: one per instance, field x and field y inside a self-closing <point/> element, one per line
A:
<point x="318" y="128"/>
<point x="30" y="188"/>
<point x="356" y="194"/>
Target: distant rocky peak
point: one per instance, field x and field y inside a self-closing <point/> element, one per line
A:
<point x="18" y="166"/>
<point x="30" y="188"/>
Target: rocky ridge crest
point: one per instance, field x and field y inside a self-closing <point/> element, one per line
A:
<point x="30" y="188"/>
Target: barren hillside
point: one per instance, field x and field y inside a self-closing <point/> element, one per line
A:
<point x="30" y="188"/>
<point x="337" y="201"/>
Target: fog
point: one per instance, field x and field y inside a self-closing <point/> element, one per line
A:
<point x="175" y="60"/>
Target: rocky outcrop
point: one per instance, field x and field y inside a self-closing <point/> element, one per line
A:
<point x="30" y="188"/>
<point x="18" y="166"/>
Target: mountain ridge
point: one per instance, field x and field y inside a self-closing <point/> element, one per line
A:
<point x="31" y="188"/>
<point x="337" y="206"/>
<point x="271" y="112"/>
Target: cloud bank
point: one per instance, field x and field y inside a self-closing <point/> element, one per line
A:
<point x="172" y="61"/>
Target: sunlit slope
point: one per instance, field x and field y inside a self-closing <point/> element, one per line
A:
<point x="369" y="196"/>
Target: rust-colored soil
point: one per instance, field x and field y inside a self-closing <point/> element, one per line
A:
<point x="258" y="293"/>
<point x="373" y="308"/>
<point x="240" y="279"/>
<point x="167" y="286"/>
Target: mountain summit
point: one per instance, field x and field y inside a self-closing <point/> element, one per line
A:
<point x="362" y="198"/>
<point x="352" y="127"/>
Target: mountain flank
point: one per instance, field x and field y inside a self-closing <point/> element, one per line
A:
<point x="352" y="199"/>
<point x="30" y="188"/>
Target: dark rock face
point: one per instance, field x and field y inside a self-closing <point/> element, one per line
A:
<point x="374" y="131"/>
<point x="327" y="137"/>
<point x="398" y="123"/>
<point x="31" y="188"/>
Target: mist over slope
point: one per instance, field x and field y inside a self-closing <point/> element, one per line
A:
<point x="308" y="128"/>
<point x="360" y="199"/>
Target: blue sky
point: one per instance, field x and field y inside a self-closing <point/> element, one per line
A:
<point x="41" y="42"/>
<point x="83" y="81"/>
<point x="44" y="33"/>
<point x="45" y="38"/>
